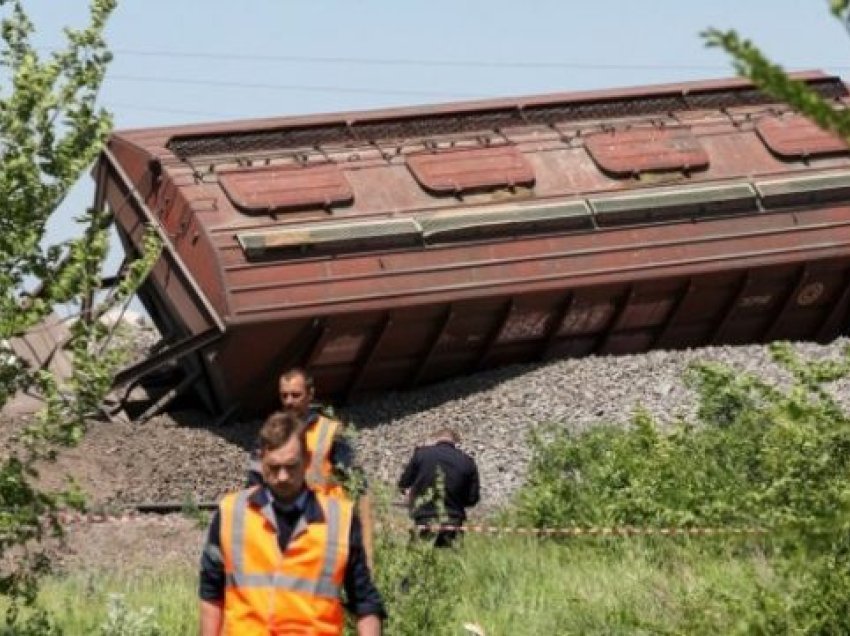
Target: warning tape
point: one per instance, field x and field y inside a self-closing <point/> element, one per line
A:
<point x="576" y="531"/>
<point x="73" y="518"/>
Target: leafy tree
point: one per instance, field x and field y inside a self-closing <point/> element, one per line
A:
<point x="749" y="61"/>
<point x="50" y="132"/>
<point x="821" y="604"/>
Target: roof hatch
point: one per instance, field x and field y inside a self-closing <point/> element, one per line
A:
<point x="461" y="170"/>
<point x="259" y="190"/>
<point x="623" y="153"/>
<point x="796" y="137"/>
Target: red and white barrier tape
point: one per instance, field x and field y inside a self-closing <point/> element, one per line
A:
<point x="70" y="518"/>
<point x="575" y="531"/>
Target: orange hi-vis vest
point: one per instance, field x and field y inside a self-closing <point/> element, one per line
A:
<point x="319" y="437"/>
<point x="290" y="593"/>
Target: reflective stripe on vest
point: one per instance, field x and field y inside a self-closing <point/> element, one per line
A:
<point x="319" y="442"/>
<point x="290" y="591"/>
<point x="324" y="586"/>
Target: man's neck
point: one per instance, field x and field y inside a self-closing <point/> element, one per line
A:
<point x="287" y="501"/>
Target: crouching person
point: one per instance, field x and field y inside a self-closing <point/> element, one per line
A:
<point x="279" y="555"/>
<point x="440" y="482"/>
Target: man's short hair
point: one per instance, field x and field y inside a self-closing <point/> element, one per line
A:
<point x="448" y="433"/>
<point x="297" y="372"/>
<point x="279" y="428"/>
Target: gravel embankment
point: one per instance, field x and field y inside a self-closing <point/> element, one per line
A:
<point x="180" y="456"/>
<point x="494" y="411"/>
<point x="177" y="457"/>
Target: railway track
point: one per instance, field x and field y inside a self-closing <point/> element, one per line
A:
<point x="159" y="510"/>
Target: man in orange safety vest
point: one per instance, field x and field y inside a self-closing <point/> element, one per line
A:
<point x="280" y="554"/>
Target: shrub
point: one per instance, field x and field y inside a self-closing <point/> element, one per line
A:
<point x="756" y="454"/>
<point x="418" y="582"/>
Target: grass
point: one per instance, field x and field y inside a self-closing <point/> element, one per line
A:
<point x="508" y="585"/>
<point x="80" y="601"/>
<point x="524" y="586"/>
<point x="757" y="455"/>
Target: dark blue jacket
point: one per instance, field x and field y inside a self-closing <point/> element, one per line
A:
<point x="460" y="482"/>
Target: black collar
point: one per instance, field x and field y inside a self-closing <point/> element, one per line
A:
<point x="306" y="503"/>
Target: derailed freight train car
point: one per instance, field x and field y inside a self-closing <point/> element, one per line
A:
<point x="388" y="249"/>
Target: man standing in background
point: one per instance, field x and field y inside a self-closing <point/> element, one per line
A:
<point x="440" y="481"/>
<point x="331" y="457"/>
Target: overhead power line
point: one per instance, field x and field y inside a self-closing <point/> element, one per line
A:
<point x="370" y="61"/>
<point x="111" y="105"/>
<point x="439" y="63"/>
<point x="190" y="81"/>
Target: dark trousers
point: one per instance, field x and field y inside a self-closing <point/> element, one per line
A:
<point x="441" y="535"/>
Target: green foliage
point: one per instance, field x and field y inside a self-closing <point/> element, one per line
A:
<point x="749" y="61"/>
<point x="418" y="583"/>
<point x="510" y="586"/>
<point x="192" y="511"/>
<point x="820" y="519"/>
<point x="104" y="598"/>
<point x="122" y="620"/>
<point x="757" y="455"/>
<point x="50" y="132"/>
<point x="351" y="478"/>
<point x="36" y="623"/>
<point x="840" y="9"/>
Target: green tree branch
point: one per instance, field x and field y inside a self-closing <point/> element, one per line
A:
<point x="750" y="62"/>
<point x="51" y="130"/>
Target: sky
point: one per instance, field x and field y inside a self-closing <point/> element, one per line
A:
<point x="189" y="61"/>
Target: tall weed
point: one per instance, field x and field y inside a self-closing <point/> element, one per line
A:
<point x="123" y="620"/>
<point x="418" y="582"/>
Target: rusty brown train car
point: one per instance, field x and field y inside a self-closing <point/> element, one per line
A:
<point x="392" y="248"/>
